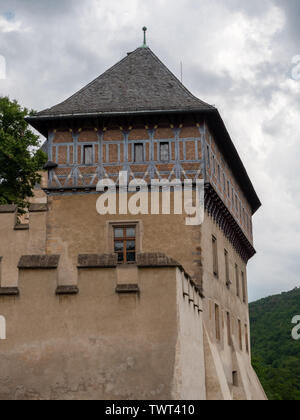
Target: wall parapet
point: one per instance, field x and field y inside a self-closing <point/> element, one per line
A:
<point x="8" y="208"/>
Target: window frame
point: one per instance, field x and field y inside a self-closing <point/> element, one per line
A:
<point x="125" y="239"/>
<point x="135" y="152"/>
<point x="215" y="256"/>
<point x="90" y="147"/>
<point x="227" y="269"/>
<point x="164" y="143"/>
<point x="139" y="229"/>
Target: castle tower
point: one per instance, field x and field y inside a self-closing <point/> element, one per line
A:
<point x="130" y="306"/>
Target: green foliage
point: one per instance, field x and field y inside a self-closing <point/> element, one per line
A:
<point x="20" y="157"/>
<point x="276" y="356"/>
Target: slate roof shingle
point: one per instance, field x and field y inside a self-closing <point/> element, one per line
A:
<point x="139" y="82"/>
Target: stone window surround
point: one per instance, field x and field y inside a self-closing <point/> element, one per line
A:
<point x="110" y="225"/>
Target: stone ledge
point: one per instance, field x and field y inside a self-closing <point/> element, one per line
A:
<point x="22" y="226"/>
<point x="8" y="208"/>
<point x="39" y="262"/>
<point x="9" y="291"/>
<point x="67" y="290"/>
<point x="157" y="259"/>
<point x="127" y="288"/>
<point x="97" y="261"/>
<point x="38" y="208"/>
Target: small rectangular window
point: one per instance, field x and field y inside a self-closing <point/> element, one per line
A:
<point x="215" y="256"/>
<point x="246" y="338"/>
<point x="228" y="282"/>
<point x="217" y="318"/>
<point x="228" y="188"/>
<point x="235" y="378"/>
<point x="208" y="156"/>
<point x="224" y="183"/>
<point x="125" y="244"/>
<point x="229" y="329"/>
<point x="88" y="155"/>
<point x="139" y="152"/>
<point x="240" y="335"/>
<point x="219" y="173"/>
<point x="244" y="287"/>
<point x="164" y="152"/>
<point x="237" y="280"/>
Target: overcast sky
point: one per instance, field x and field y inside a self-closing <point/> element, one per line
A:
<point x="236" y="54"/>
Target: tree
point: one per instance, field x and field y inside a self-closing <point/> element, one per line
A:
<point x="20" y="156"/>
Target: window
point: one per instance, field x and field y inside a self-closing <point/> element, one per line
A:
<point x="219" y="173"/>
<point x="208" y="156"/>
<point x="125" y="243"/>
<point x="228" y="188"/>
<point x="214" y="165"/>
<point x="224" y="183"/>
<point x="139" y="152"/>
<point x="88" y="155"/>
<point x="244" y="287"/>
<point x="228" y="282"/>
<point x="164" y="152"/>
<point x="246" y="338"/>
<point x="240" y="335"/>
<point x="215" y="256"/>
<point x="228" y="329"/>
<point x="237" y="280"/>
<point x="235" y="378"/>
<point x="217" y="317"/>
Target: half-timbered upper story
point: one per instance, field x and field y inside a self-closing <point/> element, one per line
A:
<point x="138" y="117"/>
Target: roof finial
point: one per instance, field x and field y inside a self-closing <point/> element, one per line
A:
<point x="145" y="41"/>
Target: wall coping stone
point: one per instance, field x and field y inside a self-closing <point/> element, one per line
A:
<point x="9" y="291"/>
<point x="67" y="290"/>
<point x="38" y="207"/>
<point x="127" y="288"/>
<point x="97" y="261"/>
<point x="8" y="208"/>
<point x="39" y="262"/>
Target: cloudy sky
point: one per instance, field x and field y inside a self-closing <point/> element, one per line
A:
<point x="236" y="54"/>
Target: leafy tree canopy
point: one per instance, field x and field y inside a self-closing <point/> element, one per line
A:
<point x="20" y="157"/>
<point x="276" y="356"/>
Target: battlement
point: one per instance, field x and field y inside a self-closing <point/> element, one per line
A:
<point x="120" y="320"/>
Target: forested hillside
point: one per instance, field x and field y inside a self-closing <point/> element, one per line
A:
<point x="276" y="356"/>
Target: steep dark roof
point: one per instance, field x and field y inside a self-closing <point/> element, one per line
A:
<point x="139" y="82"/>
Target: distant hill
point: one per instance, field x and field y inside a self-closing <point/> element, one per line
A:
<point x="276" y="356"/>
